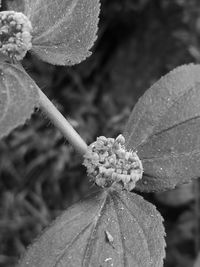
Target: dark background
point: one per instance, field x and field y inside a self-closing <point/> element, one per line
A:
<point x="41" y="175"/>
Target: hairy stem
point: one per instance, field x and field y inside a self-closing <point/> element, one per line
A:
<point x="62" y="124"/>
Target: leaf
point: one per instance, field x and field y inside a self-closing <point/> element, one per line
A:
<point x="18" y="97"/>
<point x="106" y="229"/>
<point x="164" y="128"/>
<point x="16" y="5"/>
<point x="63" y="30"/>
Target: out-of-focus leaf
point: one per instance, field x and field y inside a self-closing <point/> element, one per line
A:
<point x="180" y="239"/>
<point x="18" y="97"/>
<point x="63" y="30"/>
<point x="164" y="128"/>
<point x="179" y="196"/>
<point x="197" y="262"/>
<point x="107" y="229"/>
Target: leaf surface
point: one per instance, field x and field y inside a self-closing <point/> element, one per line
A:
<point x="164" y="128"/>
<point x="106" y="229"/>
<point x="18" y="97"/>
<point x="63" y="30"/>
<point x="16" y="5"/>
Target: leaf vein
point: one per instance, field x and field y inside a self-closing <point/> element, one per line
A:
<point x="91" y="242"/>
<point x="57" y="23"/>
<point x="173" y="102"/>
<point x="144" y="234"/>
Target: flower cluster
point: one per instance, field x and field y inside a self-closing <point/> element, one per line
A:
<point x="108" y="162"/>
<point x="15" y="34"/>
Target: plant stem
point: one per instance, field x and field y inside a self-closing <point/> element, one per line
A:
<point x="62" y="124"/>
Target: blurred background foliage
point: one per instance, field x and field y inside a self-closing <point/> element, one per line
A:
<point x="41" y="175"/>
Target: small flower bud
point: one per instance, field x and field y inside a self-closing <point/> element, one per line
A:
<point x="15" y="34"/>
<point x="120" y="139"/>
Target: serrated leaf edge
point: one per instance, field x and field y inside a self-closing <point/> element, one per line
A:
<point x="158" y="215"/>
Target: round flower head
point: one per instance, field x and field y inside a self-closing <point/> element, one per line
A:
<point x="15" y="34"/>
<point x="108" y="162"/>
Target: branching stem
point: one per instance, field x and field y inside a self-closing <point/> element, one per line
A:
<point x="62" y="124"/>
